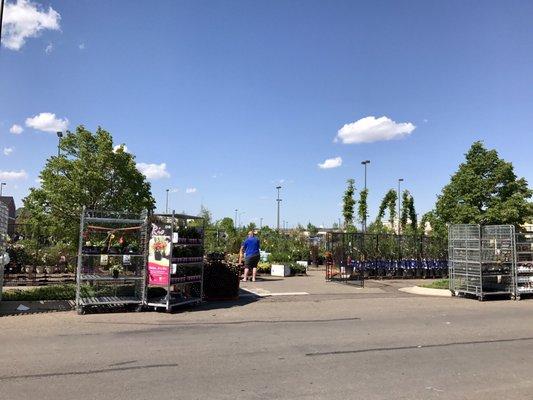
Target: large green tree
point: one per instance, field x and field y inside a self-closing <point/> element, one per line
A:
<point x="388" y="202"/>
<point x="362" y="210"/>
<point x="348" y="203"/>
<point x="88" y="173"/>
<point x="484" y="190"/>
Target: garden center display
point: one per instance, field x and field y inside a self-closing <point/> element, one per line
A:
<point x="482" y="260"/>
<point x="221" y="278"/>
<point x="111" y="269"/>
<point x="524" y="264"/>
<point x="175" y="260"/>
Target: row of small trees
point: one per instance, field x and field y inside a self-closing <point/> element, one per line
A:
<point x="484" y="190"/>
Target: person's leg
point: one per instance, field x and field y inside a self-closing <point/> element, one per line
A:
<point x="254" y="272"/>
<point x="245" y="277"/>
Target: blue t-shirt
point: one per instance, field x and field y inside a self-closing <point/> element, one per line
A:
<point x="251" y="246"/>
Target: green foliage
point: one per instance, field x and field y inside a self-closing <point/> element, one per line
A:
<point x="440" y="284"/>
<point x="388" y="202"/>
<point x="363" y="205"/>
<point x="52" y="292"/>
<point x="88" y="173"/>
<point x="313" y="230"/>
<point x="408" y="212"/>
<point x="348" y="203"/>
<point x="484" y="190"/>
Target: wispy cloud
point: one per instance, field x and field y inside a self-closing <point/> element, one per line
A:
<point x="122" y="147"/>
<point x="81" y="46"/>
<point x="47" y="122"/>
<point x="8" y="151"/>
<point x="371" y="129"/>
<point x="190" y="190"/>
<point x="13" y="175"/>
<point x="16" y="129"/>
<point x="25" y="19"/>
<point x="48" y="49"/>
<point x="153" y="171"/>
<point x="331" y="163"/>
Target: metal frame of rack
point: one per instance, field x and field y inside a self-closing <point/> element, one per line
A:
<point x="524" y="264"/>
<point x="482" y="260"/>
<point x="128" y="287"/>
<point x="178" y="285"/>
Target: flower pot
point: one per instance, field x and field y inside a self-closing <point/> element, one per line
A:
<point x="158" y="256"/>
<point x="49" y="270"/>
<point x="39" y="269"/>
<point x="29" y="269"/>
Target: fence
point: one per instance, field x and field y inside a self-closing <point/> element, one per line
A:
<point x="386" y="255"/>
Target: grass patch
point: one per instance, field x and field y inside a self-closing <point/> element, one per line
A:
<point x="440" y="284"/>
<point x="52" y="292"/>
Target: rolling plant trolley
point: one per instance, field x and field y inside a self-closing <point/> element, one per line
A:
<point x="175" y="261"/>
<point x="3" y="242"/>
<point x="482" y="260"/>
<point x="524" y="264"/>
<point x="112" y="257"/>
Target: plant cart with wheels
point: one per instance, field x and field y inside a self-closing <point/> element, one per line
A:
<point x="524" y="264"/>
<point x="112" y="256"/>
<point x="175" y="261"/>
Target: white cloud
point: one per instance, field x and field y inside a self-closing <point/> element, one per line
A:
<point x="81" y="46"/>
<point x="153" y="171"/>
<point x="331" y="163"/>
<point x="175" y="190"/>
<point x="24" y="19"/>
<point x="16" y="129"/>
<point x="8" y="151"/>
<point x="190" y="190"/>
<point x="121" y="146"/>
<point x="48" y="49"/>
<point x="13" y="175"/>
<point x="371" y="129"/>
<point x="47" y="122"/>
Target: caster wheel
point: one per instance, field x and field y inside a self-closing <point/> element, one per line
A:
<point x="81" y="311"/>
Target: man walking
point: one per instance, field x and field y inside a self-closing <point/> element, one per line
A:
<point x="250" y="249"/>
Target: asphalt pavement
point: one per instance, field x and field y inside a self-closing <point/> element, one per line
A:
<point x="336" y="342"/>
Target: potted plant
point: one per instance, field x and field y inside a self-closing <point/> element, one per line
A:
<point x="115" y="270"/>
<point x="280" y="264"/>
<point x="159" y="247"/>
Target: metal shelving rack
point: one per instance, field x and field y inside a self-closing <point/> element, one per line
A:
<point x="95" y="284"/>
<point x="4" y="216"/>
<point x="183" y="282"/>
<point x="481" y="260"/>
<point x="524" y="264"/>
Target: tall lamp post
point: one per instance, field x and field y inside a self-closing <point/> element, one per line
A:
<point x="1" y="186"/>
<point x="235" y="222"/>
<point x="365" y="163"/>
<point x="399" y="203"/>
<point x="59" y="137"/>
<point x="278" y="201"/>
<point x="166" y="204"/>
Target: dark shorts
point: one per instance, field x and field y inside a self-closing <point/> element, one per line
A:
<point x="252" y="261"/>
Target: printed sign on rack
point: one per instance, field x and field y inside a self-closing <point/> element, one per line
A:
<point x="159" y="254"/>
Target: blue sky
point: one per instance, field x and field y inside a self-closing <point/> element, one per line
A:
<point x="236" y="96"/>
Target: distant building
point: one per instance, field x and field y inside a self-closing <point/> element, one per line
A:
<point x="9" y="202"/>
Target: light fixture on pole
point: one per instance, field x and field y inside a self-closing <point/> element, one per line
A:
<point x="278" y="201"/>
<point x="2" y="184"/>
<point x="59" y="137"/>
<point x="166" y="204"/>
<point x="399" y="203"/>
<point x="365" y="163"/>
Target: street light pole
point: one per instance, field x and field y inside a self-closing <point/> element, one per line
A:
<point x="59" y="136"/>
<point x="166" y="204"/>
<point x="1" y="16"/>
<point x="279" y="201"/>
<point x="365" y="163"/>
<point x="260" y="223"/>
<point x="235" y="222"/>
<point x="1" y="186"/>
<point x="399" y="204"/>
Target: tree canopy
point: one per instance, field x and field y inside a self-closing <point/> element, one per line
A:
<point x="91" y="173"/>
<point x="484" y="190"/>
<point x="348" y="203"/>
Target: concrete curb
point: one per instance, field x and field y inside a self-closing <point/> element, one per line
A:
<point x="422" y="291"/>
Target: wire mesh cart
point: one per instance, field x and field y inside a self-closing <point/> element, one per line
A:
<point x="482" y="260"/>
<point x="344" y="251"/>
<point x="524" y="264"/>
<point x="175" y="261"/>
<point x="112" y="255"/>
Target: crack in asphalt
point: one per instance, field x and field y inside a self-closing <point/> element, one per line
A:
<point x="426" y="346"/>
<point x="89" y="372"/>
